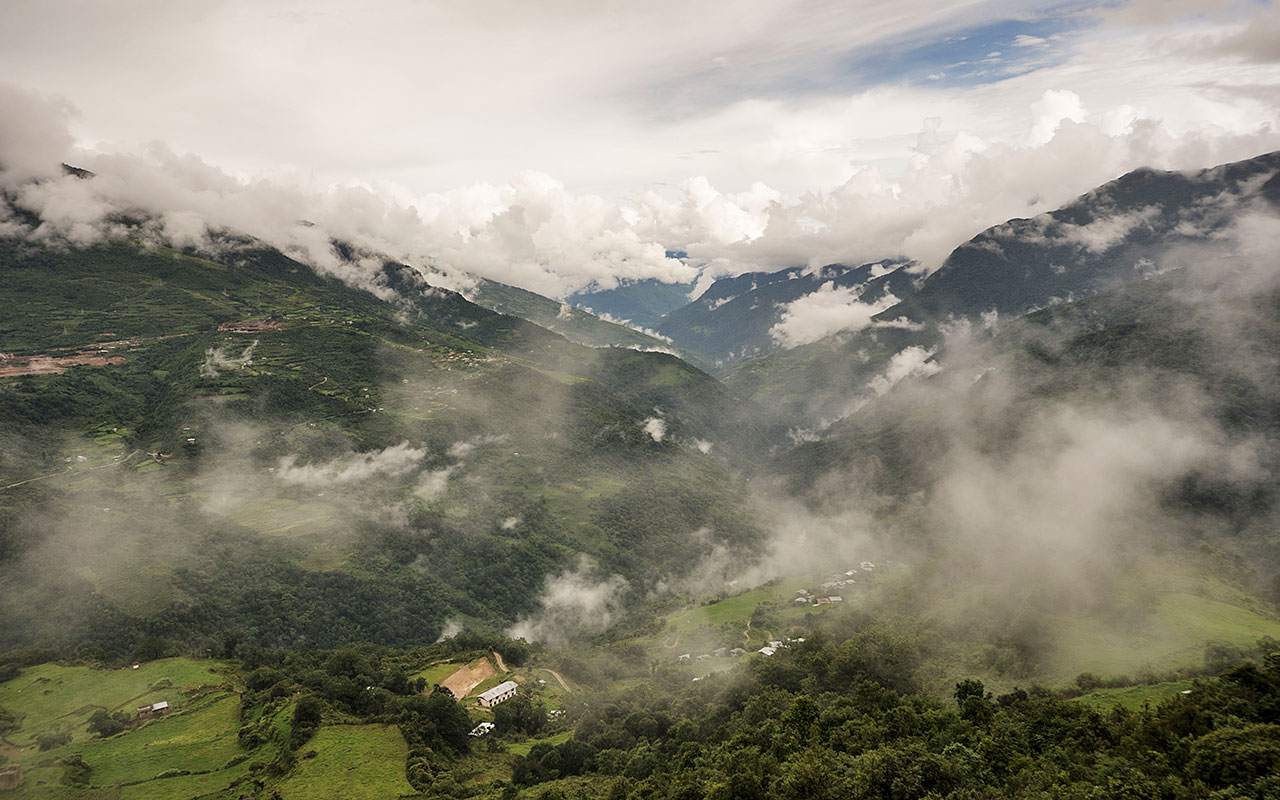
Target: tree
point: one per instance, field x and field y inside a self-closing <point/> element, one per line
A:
<point x="103" y="724"/>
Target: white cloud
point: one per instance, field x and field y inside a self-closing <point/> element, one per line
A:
<point x="910" y="362"/>
<point x="455" y="185"/>
<point x="656" y="428"/>
<point x="1105" y="232"/>
<point x="572" y="603"/>
<point x="392" y="462"/>
<point x="824" y="312"/>
<point x="432" y="484"/>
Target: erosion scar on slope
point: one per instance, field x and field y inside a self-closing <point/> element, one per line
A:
<point x="464" y="679"/>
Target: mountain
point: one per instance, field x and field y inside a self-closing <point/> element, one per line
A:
<point x="572" y="323"/>
<point x="642" y="303"/>
<point x="735" y="317"/>
<point x="1119" y="233"/>
<point x="1124" y="232"/>
<point x="197" y="442"/>
<point x="265" y="532"/>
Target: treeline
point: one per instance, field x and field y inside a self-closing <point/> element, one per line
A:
<point x="289" y="694"/>
<point x="828" y="720"/>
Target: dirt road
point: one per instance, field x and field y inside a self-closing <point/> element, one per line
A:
<point x="559" y="678"/>
<point x="498" y="658"/>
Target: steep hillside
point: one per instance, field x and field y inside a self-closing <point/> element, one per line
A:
<point x="342" y="467"/>
<point x="735" y="317"/>
<point x="643" y="303"/>
<point x="1122" y="233"/>
<point x="572" y="323"/>
<point x="1116" y="234"/>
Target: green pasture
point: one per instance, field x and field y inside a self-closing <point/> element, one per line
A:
<point x="352" y="762"/>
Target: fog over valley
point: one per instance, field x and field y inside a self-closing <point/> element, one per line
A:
<point x="846" y="400"/>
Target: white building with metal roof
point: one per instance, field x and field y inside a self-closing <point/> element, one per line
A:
<point x="503" y="691"/>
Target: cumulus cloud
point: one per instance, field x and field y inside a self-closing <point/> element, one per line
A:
<point x="572" y="603"/>
<point x="216" y="358"/>
<point x="909" y="362"/>
<point x="392" y="462"/>
<point x="826" y="311"/>
<point x="656" y="428"/>
<point x="432" y="484"/>
<point x="845" y="175"/>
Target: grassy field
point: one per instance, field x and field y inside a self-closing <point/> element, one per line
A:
<point x="353" y="762"/>
<point x="725" y="622"/>
<point x="435" y="673"/>
<point x="1174" y="636"/>
<point x="50" y="696"/>
<point x="198" y="740"/>
<point x="200" y="736"/>
<point x="1133" y="697"/>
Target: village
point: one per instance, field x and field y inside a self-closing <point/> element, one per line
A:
<point x="819" y="595"/>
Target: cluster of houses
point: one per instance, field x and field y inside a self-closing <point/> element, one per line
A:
<point x="719" y="652"/>
<point x="737" y="652"/>
<point x="833" y="584"/>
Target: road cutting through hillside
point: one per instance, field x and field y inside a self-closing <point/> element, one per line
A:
<point x="558" y="677"/>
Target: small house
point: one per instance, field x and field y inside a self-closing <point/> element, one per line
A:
<point x="685" y="658"/>
<point x="498" y="694"/>
<point x="767" y="651"/>
<point x="153" y="710"/>
<point x="481" y="729"/>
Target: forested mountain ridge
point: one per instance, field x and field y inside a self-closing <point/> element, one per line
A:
<point x="1124" y="232"/>
<point x="736" y="317"/>
<point x="1115" y="234"/>
<point x="145" y="384"/>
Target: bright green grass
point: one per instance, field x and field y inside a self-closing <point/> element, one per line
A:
<point x="1175" y="636"/>
<point x="573" y="500"/>
<point x="523" y="748"/>
<point x="1133" y="697"/>
<point x="185" y="785"/>
<point x="736" y="611"/>
<point x="200" y="739"/>
<point x="481" y="768"/>
<point x="50" y="696"/>
<point x="353" y="762"/>
<point x="435" y="673"/>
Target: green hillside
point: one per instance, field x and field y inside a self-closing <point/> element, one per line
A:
<point x="399" y="460"/>
<point x="572" y="323"/>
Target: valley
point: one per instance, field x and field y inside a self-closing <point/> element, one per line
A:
<point x="320" y="512"/>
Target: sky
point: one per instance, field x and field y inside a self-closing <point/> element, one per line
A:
<point x="564" y="144"/>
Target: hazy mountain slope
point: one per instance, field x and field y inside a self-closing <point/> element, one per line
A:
<point x="734" y="318"/>
<point x="1113" y="235"/>
<point x="642" y="303"/>
<point x="1123" y="232"/>
<point x="1163" y="348"/>
<point x="340" y="467"/>
<point x="572" y="323"/>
